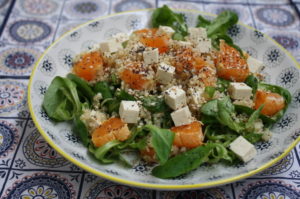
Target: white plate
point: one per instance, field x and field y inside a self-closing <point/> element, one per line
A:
<point x="57" y="60"/>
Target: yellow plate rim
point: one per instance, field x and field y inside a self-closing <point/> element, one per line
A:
<point x="139" y="184"/>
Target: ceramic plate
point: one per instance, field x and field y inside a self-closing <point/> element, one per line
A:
<point x="57" y="60"/>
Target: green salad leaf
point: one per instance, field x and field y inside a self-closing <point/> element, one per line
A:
<point x="104" y="153"/>
<point x="61" y="101"/>
<point x="104" y="88"/>
<point x="82" y="86"/>
<point x="81" y="131"/>
<point x="164" y="16"/>
<point x="154" y="104"/>
<point x="252" y="81"/>
<point x="185" y="162"/>
<point x="162" y="140"/>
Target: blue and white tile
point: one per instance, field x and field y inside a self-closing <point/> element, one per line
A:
<point x="223" y="192"/>
<point x="278" y="17"/>
<point x="35" y="153"/>
<point x="38" y="8"/>
<point x="95" y="187"/>
<point x="18" y="60"/>
<point x="10" y="135"/>
<point x="182" y="5"/>
<point x="29" y="184"/>
<point x="267" y="188"/>
<point x="28" y="31"/>
<point x="127" y="5"/>
<point x="89" y="9"/>
<point x="13" y="98"/>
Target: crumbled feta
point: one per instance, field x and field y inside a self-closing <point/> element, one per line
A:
<point x="267" y="135"/>
<point x="197" y="34"/>
<point x="182" y="44"/>
<point x="196" y="94"/>
<point x="255" y="66"/>
<point x="243" y="149"/>
<point x="244" y="102"/>
<point x="175" y="97"/>
<point x="92" y="119"/>
<point x="239" y="90"/>
<point x="204" y="45"/>
<point x="120" y="37"/>
<point x="165" y="30"/>
<point x="165" y="73"/>
<point x="129" y="111"/>
<point x="150" y="56"/>
<point x="182" y="116"/>
<point x="110" y="46"/>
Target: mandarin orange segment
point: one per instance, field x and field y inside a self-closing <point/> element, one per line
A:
<point x="273" y="102"/>
<point x="88" y="65"/>
<point x="149" y="38"/>
<point x="148" y="154"/>
<point x="134" y="80"/>
<point x="189" y="136"/>
<point x="111" y="129"/>
<point x="230" y="64"/>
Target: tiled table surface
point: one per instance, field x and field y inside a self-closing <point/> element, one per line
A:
<point x="29" y="168"/>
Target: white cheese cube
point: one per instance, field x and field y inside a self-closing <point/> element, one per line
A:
<point x="182" y="116"/>
<point x="110" y="46"/>
<point x="243" y="149"/>
<point x="204" y="45"/>
<point x="165" y="73"/>
<point x="150" y="56"/>
<point x="120" y="37"/>
<point x="129" y="111"/>
<point x="255" y="66"/>
<point x="175" y="97"/>
<point x="165" y="30"/>
<point x="239" y="90"/>
<point x="196" y="94"/>
<point x="197" y="34"/>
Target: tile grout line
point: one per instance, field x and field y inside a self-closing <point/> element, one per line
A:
<point x="232" y="190"/>
<point x="296" y="155"/>
<point x="292" y="3"/>
<point x="81" y="184"/>
<point x="110" y="7"/>
<point x="251" y="14"/>
<point x="14" y="156"/>
<point x="58" y="21"/>
<point x="7" y="15"/>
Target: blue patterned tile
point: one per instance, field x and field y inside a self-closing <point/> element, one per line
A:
<point x="28" y="184"/>
<point x="182" y="5"/>
<point x="13" y="97"/>
<point x="38" y="8"/>
<point x="88" y="9"/>
<point x="268" y="189"/>
<point x="223" y="192"/>
<point x="278" y="17"/>
<point x="126" y="5"/>
<point x="36" y="153"/>
<point x="15" y="60"/>
<point x="95" y="187"/>
<point x="28" y="31"/>
<point x="10" y="135"/>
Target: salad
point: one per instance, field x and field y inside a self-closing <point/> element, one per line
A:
<point x="177" y="96"/>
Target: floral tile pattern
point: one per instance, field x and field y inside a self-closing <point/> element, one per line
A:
<point x="30" y="168"/>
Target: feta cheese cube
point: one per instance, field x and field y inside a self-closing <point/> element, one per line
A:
<point x="150" y="56"/>
<point x="110" y="46"/>
<point x="129" y="111"/>
<point x="204" y="45"/>
<point x="120" y="37"/>
<point x="165" y="73"/>
<point x="243" y="149"/>
<point x="182" y="116"/>
<point x="175" y="97"/>
<point x="165" y="30"/>
<point x="197" y="34"/>
<point x="239" y="90"/>
<point x="196" y="94"/>
<point x="255" y="66"/>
